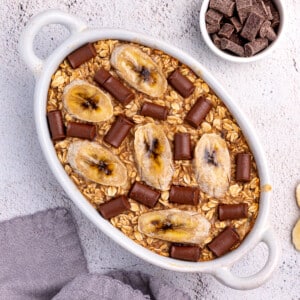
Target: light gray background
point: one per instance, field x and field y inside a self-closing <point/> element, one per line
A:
<point x="267" y="91"/>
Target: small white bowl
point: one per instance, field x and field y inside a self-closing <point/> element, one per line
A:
<point x="237" y="59"/>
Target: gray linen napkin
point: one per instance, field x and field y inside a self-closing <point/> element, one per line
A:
<point x="39" y="254"/>
<point x="41" y="258"/>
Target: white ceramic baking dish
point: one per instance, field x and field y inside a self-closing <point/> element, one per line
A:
<point x="43" y="70"/>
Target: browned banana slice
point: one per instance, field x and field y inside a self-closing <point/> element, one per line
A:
<point x="174" y="225"/>
<point x="212" y="165"/>
<point x="86" y="102"/>
<point x="153" y="156"/>
<point x="139" y="70"/>
<point x="96" y="163"/>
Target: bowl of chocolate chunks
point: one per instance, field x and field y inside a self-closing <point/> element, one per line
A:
<point x="242" y="30"/>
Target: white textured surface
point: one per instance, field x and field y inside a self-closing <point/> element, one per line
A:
<point x="267" y="91"/>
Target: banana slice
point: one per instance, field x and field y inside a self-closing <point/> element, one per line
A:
<point x="174" y="225"/>
<point x="298" y="194"/>
<point x="139" y="70"/>
<point x="96" y="163"/>
<point x="296" y="235"/>
<point x="212" y="165"/>
<point x="86" y="102"/>
<point x="153" y="156"/>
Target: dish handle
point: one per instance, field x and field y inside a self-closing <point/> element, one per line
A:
<point x="225" y="276"/>
<point x="52" y="16"/>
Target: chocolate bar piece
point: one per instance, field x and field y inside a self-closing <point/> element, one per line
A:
<point x="212" y="28"/>
<point x="80" y="130"/>
<point x="237" y="39"/>
<point x="261" y="9"/>
<point x="216" y="39"/>
<point x="118" y="131"/>
<point x="182" y="146"/>
<point x="255" y="46"/>
<point x="232" y="47"/>
<point x="269" y="12"/>
<point x="198" y="112"/>
<point x="82" y="55"/>
<point x="123" y="94"/>
<point x="190" y="253"/>
<point x="154" y="111"/>
<point x="181" y="84"/>
<point x="232" y="211"/>
<point x="271" y="5"/>
<point x="266" y="31"/>
<point x="144" y="194"/>
<point x="56" y="124"/>
<point x="114" y="207"/>
<point x="213" y="17"/>
<point x="243" y="8"/>
<point x="275" y="20"/>
<point x="184" y="195"/>
<point x="101" y="76"/>
<point x="224" y="242"/>
<point x="243" y="167"/>
<point x="226" y="31"/>
<point x="236" y="23"/>
<point x="225" y="7"/>
<point x="252" y="26"/>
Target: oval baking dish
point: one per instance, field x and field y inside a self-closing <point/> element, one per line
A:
<point x="43" y="71"/>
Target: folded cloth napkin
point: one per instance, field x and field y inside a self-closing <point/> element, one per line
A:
<point x="41" y="258"/>
<point x="40" y="253"/>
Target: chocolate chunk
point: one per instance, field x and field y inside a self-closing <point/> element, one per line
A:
<point x="118" y="131"/>
<point x="252" y="26"/>
<point x="276" y="20"/>
<point x="243" y="8"/>
<point x="236" y="23"/>
<point x="225" y="7"/>
<point x="182" y="146"/>
<point x="184" y="195"/>
<point x="269" y="13"/>
<point x="243" y="4"/>
<point x="212" y="28"/>
<point x="123" y="94"/>
<point x="226" y="31"/>
<point x="80" y="130"/>
<point x="154" y="111"/>
<point x="237" y="39"/>
<point x="181" y="84"/>
<point x="224" y="242"/>
<point x="144" y="194"/>
<point x="198" y="112"/>
<point x="266" y="31"/>
<point x="271" y="5"/>
<point x="260" y="8"/>
<point x="232" y="211"/>
<point x="82" y="55"/>
<point x="216" y="39"/>
<point x="255" y="46"/>
<point x="232" y="47"/>
<point x="213" y="17"/>
<point x="243" y="167"/>
<point x="190" y="253"/>
<point x="119" y="91"/>
<point x="101" y="76"/>
<point x="114" y="207"/>
<point x="56" y="124"/>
